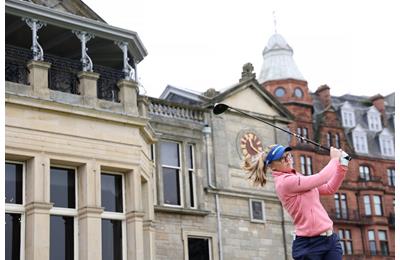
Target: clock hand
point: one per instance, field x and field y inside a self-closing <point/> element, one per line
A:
<point x="252" y="147"/>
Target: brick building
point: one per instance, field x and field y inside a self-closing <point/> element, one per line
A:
<point x="363" y="208"/>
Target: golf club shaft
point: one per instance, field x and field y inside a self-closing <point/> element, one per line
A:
<point x="284" y="130"/>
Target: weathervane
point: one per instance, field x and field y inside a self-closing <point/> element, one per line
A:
<point x="273" y="14"/>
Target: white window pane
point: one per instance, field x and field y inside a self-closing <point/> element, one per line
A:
<point x="382" y="235"/>
<point x="170" y="154"/>
<point x="371" y="235"/>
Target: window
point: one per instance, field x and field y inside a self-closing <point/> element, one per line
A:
<point x="367" y="205"/>
<point x="329" y="139"/>
<point x="346" y="241"/>
<point x="14" y="210"/>
<point x="171" y="173"/>
<point x="341" y="206"/>
<point x="378" y="205"/>
<point x="298" y="93"/>
<point x="199" y="245"/>
<point x="191" y="174"/>
<point x="360" y="141"/>
<point x="347" y="112"/>
<point x="199" y="248"/>
<point x="63" y="215"/>
<point x="280" y="92"/>
<point x="383" y="242"/>
<point x="302" y="131"/>
<point x="306" y="165"/>
<point x="374" y="119"/>
<point x="337" y="140"/>
<point x="386" y="143"/>
<point x="113" y="217"/>
<point x="257" y="210"/>
<point x="372" y="242"/>
<point x="390" y="176"/>
<point x="364" y="173"/>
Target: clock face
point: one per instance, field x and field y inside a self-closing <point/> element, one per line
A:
<point x="250" y="144"/>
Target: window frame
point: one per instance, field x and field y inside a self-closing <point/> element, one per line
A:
<point x="344" y="239"/>
<point x="280" y="88"/>
<point x="348" y="116"/>
<point x="390" y="172"/>
<point x="180" y="173"/>
<point x="371" y="231"/>
<point x="386" y="144"/>
<point x="213" y="246"/>
<point x="19" y="208"/>
<point x="376" y="205"/>
<point x="374" y="120"/>
<point x="369" y="205"/>
<point x="363" y="173"/>
<point x="380" y="231"/>
<point x="110" y="215"/>
<point x="306" y="165"/>
<point x="252" y="219"/>
<point x="329" y="139"/>
<point x="337" y="140"/>
<point x="341" y="212"/>
<point x="360" y="141"/>
<point x="191" y="147"/>
<point x="69" y="212"/>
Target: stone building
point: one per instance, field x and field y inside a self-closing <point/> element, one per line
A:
<point x="363" y="208"/>
<point x="78" y="172"/>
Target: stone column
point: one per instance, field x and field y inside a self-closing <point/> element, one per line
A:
<point x="128" y="92"/>
<point x="89" y="213"/>
<point x="37" y="233"/>
<point x="88" y="87"/>
<point x="134" y="235"/>
<point x="143" y="104"/>
<point x="39" y="78"/>
<point x="149" y="239"/>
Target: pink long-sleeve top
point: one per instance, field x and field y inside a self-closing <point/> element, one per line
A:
<point x="300" y="196"/>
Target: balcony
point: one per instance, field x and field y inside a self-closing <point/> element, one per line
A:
<point x="349" y="217"/>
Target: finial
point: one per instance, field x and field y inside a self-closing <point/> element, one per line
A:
<point x="274" y="16"/>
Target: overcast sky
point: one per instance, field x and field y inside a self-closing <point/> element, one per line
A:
<point x="352" y="46"/>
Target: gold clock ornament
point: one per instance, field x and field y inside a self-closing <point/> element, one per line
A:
<point x="250" y="144"/>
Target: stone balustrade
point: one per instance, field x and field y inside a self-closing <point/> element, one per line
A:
<point x="166" y="109"/>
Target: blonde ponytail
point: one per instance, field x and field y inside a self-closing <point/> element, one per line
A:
<point x="255" y="168"/>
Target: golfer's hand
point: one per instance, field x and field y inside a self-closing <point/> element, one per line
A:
<point x="336" y="153"/>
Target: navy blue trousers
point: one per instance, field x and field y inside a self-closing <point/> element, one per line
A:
<point x="317" y="248"/>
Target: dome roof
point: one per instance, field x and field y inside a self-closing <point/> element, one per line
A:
<point x="278" y="61"/>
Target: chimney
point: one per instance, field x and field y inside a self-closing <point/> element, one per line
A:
<point x="324" y="95"/>
<point x="379" y="102"/>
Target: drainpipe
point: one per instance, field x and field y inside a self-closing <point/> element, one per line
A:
<point x="282" y="212"/>
<point x="207" y="132"/>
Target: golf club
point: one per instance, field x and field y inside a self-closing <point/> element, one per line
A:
<point x="220" y="108"/>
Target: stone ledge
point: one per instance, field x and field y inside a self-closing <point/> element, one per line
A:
<point x="182" y="211"/>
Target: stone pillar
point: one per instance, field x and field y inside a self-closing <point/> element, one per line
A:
<point x="128" y="92"/>
<point x="143" y="104"/>
<point x="134" y="235"/>
<point x="88" y="87"/>
<point x="149" y="239"/>
<point x="37" y="233"/>
<point x="39" y="78"/>
<point x="89" y="213"/>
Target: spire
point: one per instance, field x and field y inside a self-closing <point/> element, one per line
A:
<point x="278" y="60"/>
<point x="274" y="16"/>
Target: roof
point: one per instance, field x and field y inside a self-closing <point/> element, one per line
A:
<point x="278" y="61"/>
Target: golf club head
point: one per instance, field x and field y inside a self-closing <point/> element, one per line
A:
<point x="219" y="108"/>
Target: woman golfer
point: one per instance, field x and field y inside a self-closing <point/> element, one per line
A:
<point x="300" y="197"/>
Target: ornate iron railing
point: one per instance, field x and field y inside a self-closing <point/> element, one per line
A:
<point x="62" y="74"/>
<point x="107" y="83"/>
<point x="166" y="109"/>
<point x="15" y="64"/>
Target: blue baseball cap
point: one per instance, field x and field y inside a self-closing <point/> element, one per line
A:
<point x="276" y="153"/>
